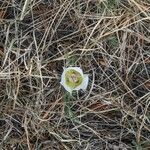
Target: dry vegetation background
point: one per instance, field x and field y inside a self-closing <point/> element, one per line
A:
<point x="109" y="39"/>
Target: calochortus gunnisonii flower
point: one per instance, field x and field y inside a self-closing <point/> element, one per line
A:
<point x="73" y="78"/>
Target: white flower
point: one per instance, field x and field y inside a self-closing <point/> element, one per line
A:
<point x="73" y="78"/>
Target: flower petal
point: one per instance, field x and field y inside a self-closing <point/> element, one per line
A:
<point x="84" y="83"/>
<point x="78" y="69"/>
<point x="63" y="82"/>
<point x="67" y="88"/>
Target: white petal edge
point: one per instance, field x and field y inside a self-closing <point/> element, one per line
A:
<point x="84" y="83"/>
<point x="63" y="82"/>
<point x="67" y="88"/>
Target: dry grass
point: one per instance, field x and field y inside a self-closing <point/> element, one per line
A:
<point x="109" y="39"/>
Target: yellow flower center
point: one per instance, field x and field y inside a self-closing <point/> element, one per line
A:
<point x="73" y="78"/>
